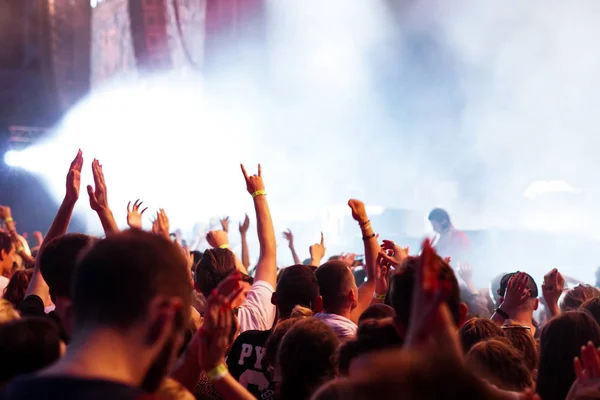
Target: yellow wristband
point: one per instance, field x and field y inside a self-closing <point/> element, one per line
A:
<point x="378" y="296"/>
<point x="9" y="219"/>
<point x="218" y="372"/>
<point x="224" y="246"/>
<point x="259" y="193"/>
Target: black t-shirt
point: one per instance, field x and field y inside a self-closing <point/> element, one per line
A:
<point x="245" y="361"/>
<point x="33" y="306"/>
<point x="67" y="388"/>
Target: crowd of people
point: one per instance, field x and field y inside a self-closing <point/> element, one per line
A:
<point x="137" y="315"/>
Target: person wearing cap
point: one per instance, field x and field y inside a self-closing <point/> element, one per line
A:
<point x="518" y="300"/>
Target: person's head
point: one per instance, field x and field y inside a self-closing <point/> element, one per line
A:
<point x="372" y="335"/>
<point x="577" y="296"/>
<point x="57" y="262"/>
<point x="532" y="303"/>
<point x="338" y="287"/>
<point x="440" y="220"/>
<point x="17" y="286"/>
<point x="376" y="312"/>
<point x="28" y="345"/>
<point x="7" y="253"/>
<point x="401" y="289"/>
<point x="7" y="311"/>
<point x="560" y="342"/>
<point x="521" y="339"/>
<point x="592" y="306"/>
<point x="214" y="266"/>
<point x="135" y="286"/>
<point x="500" y="363"/>
<point x="307" y="358"/>
<point x="297" y="285"/>
<point x="476" y="330"/>
<point x="273" y="342"/>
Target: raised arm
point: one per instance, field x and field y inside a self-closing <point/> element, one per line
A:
<point x="266" y="269"/>
<point x="99" y="200"/>
<point x="134" y="215"/>
<point x="366" y="290"/>
<point x="37" y="285"/>
<point x="317" y="252"/>
<point x="243" y="233"/>
<point x="289" y="236"/>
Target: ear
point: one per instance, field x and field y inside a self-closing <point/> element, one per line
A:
<point x="462" y="314"/>
<point x="536" y="304"/>
<point x="352" y="297"/>
<point x="161" y="323"/>
<point x="274" y="298"/>
<point x="318" y="306"/>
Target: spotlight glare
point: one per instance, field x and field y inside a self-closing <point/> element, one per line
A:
<point x="12" y="158"/>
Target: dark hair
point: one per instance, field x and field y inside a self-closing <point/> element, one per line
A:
<point x="439" y="215"/>
<point x="335" y="280"/>
<point x="274" y="341"/>
<point x="522" y="340"/>
<point x="297" y="285"/>
<point x="27" y="345"/>
<point x="17" y="286"/>
<point x="6" y="242"/>
<point x="58" y="260"/>
<point x="307" y="358"/>
<point x="197" y="256"/>
<point x="401" y="288"/>
<point x="476" y="330"/>
<point x="214" y="266"/>
<point x="376" y="312"/>
<point x="577" y="296"/>
<point x="592" y="306"/>
<point x="499" y="362"/>
<point x="560" y="342"/>
<point x="119" y="276"/>
<point x="372" y="335"/>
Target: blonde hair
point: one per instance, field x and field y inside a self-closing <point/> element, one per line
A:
<point x="7" y="311"/>
<point x="300" y="311"/>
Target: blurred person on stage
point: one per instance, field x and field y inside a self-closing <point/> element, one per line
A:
<point x="450" y="242"/>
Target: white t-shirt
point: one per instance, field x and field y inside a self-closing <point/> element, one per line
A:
<point x="344" y="328"/>
<point x="256" y="312"/>
<point x="3" y="284"/>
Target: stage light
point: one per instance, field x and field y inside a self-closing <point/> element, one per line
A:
<point x="12" y="158"/>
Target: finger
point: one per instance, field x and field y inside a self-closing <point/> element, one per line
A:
<point x="143" y="211"/>
<point x="129" y="207"/>
<point x="79" y="159"/>
<point x="578" y="368"/>
<point x="137" y="204"/>
<point x="244" y="171"/>
<point x="322" y="239"/>
<point x="92" y="195"/>
<point x="74" y="162"/>
<point x="259" y="170"/>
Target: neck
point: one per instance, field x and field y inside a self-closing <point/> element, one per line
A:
<point x="523" y="317"/>
<point x="102" y="354"/>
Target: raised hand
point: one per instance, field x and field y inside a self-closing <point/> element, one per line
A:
<point x="74" y="178"/>
<point x="465" y="271"/>
<point x="317" y="252"/>
<point x="348" y="259"/>
<point x="358" y="211"/>
<point x="245" y="225"/>
<point x="382" y="271"/>
<point x="161" y="224"/>
<point x="553" y="286"/>
<point x="392" y="254"/>
<point x="217" y="239"/>
<point x="39" y="238"/>
<point x="516" y="291"/>
<point x="289" y="236"/>
<point x="254" y="183"/>
<point x="134" y="215"/>
<point x="5" y="212"/>
<point x="225" y="224"/>
<point x="587" y="370"/>
<point x="213" y="337"/>
<point x="98" y="195"/>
